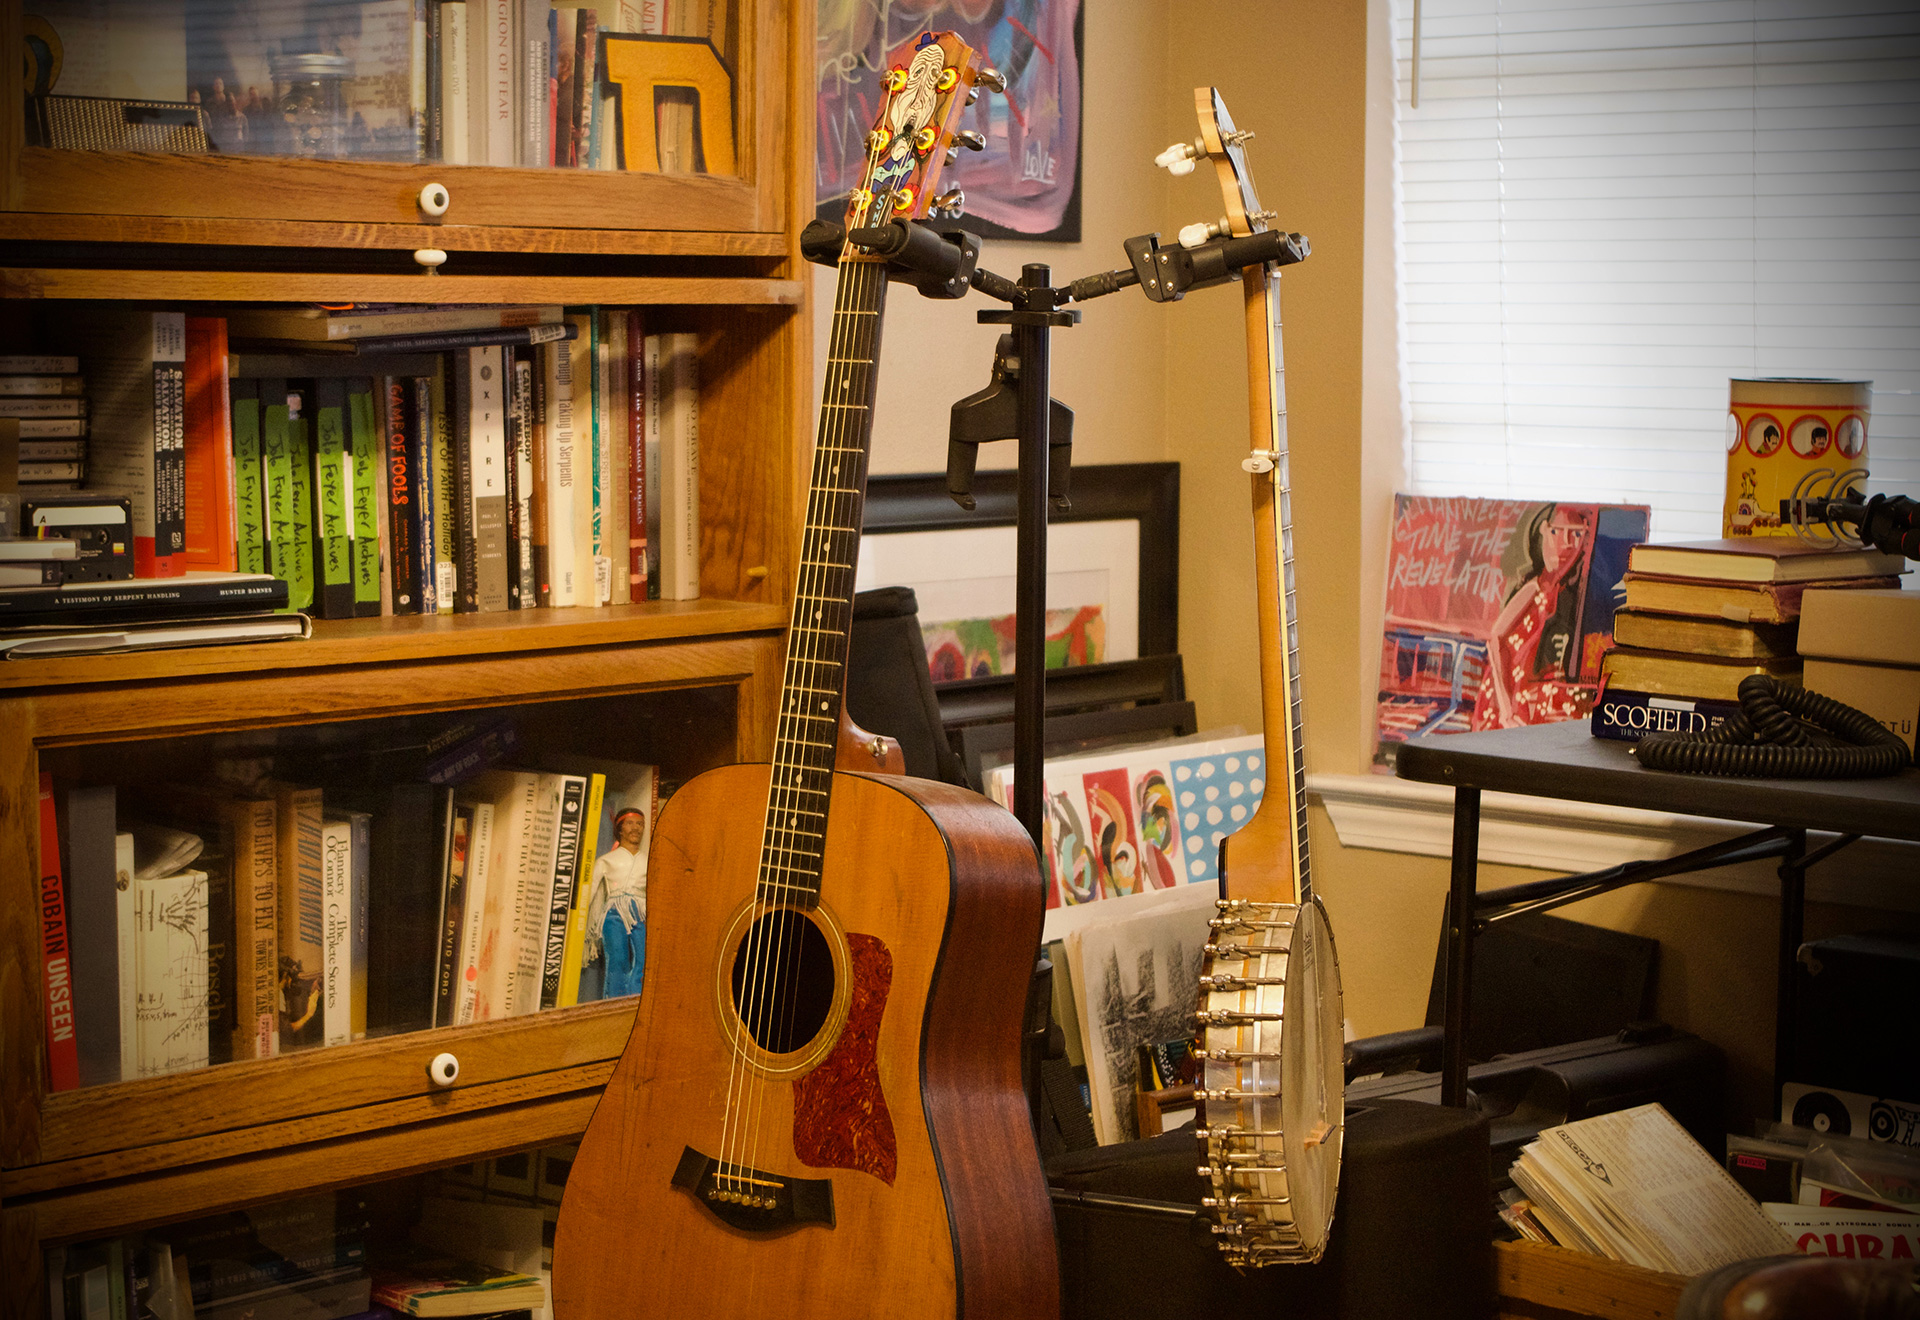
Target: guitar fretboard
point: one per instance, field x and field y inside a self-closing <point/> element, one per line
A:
<point x="810" y="695"/>
<point x="1286" y="691"/>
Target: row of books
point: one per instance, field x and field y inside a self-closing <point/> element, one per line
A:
<point x="483" y="82"/>
<point x="47" y="395"/>
<point x="1700" y="616"/>
<point x="304" y="1259"/>
<point x="548" y="63"/>
<point x="197" y="925"/>
<point x="404" y="460"/>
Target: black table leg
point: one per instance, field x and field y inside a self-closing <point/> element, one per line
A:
<point x="1793" y="900"/>
<point x="1460" y="921"/>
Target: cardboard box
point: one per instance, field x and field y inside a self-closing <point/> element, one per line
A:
<point x="1889" y="693"/>
<point x="1880" y="626"/>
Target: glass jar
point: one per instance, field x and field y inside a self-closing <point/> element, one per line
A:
<point x="309" y="93"/>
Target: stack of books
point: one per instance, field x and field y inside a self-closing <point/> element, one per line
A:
<point x="1702" y="615"/>
<point x="48" y="395"/>
<point x="401" y="459"/>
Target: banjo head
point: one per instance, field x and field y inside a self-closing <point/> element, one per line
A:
<point x="1274" y="1089"/>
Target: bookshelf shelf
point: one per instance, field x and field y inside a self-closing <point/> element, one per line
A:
<point x="687" y="684"/>
<point x="249" y="286"/>
<point x="347" y="236"/>
<point x="397" y="639"/>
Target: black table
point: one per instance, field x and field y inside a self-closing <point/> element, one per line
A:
<point x="1565" y="761"/>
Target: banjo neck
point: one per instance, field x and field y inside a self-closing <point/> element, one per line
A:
<point x="1266" y="859"/>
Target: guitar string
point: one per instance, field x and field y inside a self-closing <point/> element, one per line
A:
<point x="763" y="914"/>
<point x="821" y="557"/>
<point x="838" y="520"/>
<point x="780" y="842"/>
<point x="804" y="644"/>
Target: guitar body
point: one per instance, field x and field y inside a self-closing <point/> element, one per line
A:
<point x="905" y="1102"/>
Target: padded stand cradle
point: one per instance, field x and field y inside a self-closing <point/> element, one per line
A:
<point x="1412" y="1231"/>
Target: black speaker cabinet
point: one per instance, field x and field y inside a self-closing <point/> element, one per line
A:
<point x="1412" y="1229"/>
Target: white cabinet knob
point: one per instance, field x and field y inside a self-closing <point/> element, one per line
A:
<point x="444" y="1070"/>
<point x="434" y="199"/>
<point x="430" y="259"/>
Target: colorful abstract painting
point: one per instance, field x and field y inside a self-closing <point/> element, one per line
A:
<point x="1026" y="182"/>
<point x="1136" y="820"/>
<point x="976" y="648"/>
<point x="1497" y="613"/>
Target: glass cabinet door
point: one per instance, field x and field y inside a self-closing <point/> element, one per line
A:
<point x="528" y="83"/>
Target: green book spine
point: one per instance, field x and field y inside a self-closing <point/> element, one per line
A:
<point x="445" y="568"/>
<point x="364" y="425"/>
<point x="332" y="502"/>
<point x="249" y="481"/>
<point x="300" y="546"/>
<point x="275" y="431"/>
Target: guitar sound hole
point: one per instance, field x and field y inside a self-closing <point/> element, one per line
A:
<point x="783" y="981"/>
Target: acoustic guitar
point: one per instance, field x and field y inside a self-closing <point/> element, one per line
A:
<point x="819" y="1112"/>
<point x="1273" y="1086"/>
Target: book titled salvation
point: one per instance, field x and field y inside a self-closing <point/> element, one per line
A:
<point x="429" y="1285"/>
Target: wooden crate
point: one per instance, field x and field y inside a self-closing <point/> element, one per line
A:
<point x="1535" y="1282"/>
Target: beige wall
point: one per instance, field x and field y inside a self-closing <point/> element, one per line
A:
<point x="1151" y="382"/>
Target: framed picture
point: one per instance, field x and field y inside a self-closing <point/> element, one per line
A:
<point x="1113" y="567"/>
<point x="1026" y="183"/>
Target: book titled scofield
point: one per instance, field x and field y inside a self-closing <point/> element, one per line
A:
<point x="141" y="598"/>
<point x="1625" y="715"/>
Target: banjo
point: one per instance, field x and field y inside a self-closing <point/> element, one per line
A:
<point x="1272" y="1091"/>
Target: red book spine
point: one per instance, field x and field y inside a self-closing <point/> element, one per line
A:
<point x="63" y="1051"/>
<point x="209" y="448"/>
<point x="637" y="442"/>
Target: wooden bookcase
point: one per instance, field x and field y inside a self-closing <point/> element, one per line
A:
<point x="717" y="256"/>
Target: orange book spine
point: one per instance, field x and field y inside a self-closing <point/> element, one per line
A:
<point x="211" y="539"/>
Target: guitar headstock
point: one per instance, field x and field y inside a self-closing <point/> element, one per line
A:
<point x="913" y="136"/>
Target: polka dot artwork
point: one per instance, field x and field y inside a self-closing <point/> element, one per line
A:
<point x="1216" y="793"/>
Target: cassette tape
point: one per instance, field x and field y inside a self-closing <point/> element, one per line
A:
<point x="1850" y="1114"/>
<point x="100" y="525"/>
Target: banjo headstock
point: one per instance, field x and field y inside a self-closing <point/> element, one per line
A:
<point x="1225" y="146"/>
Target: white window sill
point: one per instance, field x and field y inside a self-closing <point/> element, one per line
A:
<point x="1398" y="815"/>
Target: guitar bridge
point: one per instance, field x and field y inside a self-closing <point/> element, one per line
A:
<point x="751" y="1200"/>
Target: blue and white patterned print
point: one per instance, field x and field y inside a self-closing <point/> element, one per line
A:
<point x="1216" y="795"/>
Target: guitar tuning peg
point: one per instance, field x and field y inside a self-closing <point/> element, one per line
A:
<point x="991" y="79"/>
<point x="971" y="140"/>
<point x="953" y="153"/>
<point x="1179" y="158"/>
<point x="948" y="205"/>
<point x="1238" y="136"/>
<point x="1196" y="234"/>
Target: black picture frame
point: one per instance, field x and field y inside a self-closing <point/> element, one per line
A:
<point x="1147" y="493"/>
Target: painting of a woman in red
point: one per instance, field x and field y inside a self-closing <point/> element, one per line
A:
<point x="1532" y="648"/>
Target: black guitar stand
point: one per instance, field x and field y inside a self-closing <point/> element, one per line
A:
<point x="1017" y="405"/>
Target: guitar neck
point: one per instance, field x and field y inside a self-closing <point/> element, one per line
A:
<point x="1282" y="819"/>
<point x="815" y="675"/>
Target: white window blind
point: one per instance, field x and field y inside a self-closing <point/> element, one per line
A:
<point x="1611" y="208"/>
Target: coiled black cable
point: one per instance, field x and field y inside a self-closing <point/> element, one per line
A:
<point x="1782" y="732"/>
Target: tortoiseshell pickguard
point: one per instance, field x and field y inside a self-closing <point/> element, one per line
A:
<point x="840" y="1118"/>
